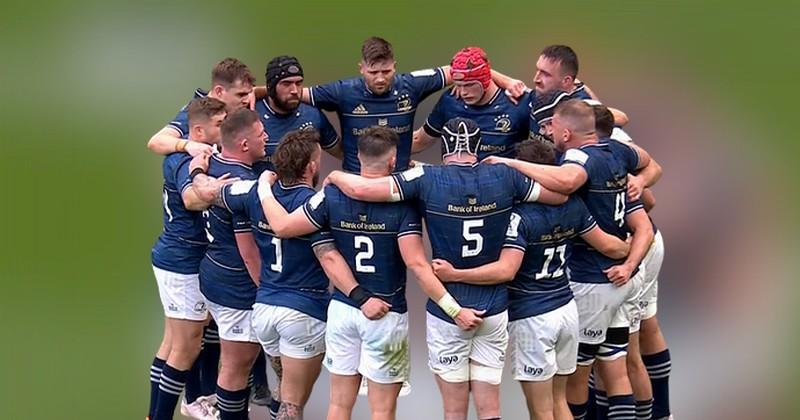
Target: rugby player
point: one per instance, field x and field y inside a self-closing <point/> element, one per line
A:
<point x="368" y="315"/>
<point x="229" y="271"/>
<point x="503" y="123"/>
<point x="176" y="263"/>
<point x="600" y="284"/>
<point x="648" y="356"/>
<point x="232" y="83"/>
<point x="384" y="98"/>
<point x="543" y="316"/>
<point x="281" y="110"/>
<point x="557" y="69"/>
<point x="467" y="206"/>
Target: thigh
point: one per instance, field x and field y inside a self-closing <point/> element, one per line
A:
<point x="567" y="344"/>
<point x="448" y="349"/>
<point x="301" y="335"/>
<point x="490" y="341"/>
<point x="342" y="340"/>
<point x="384" y="351"/>
<point x="233" y="324"/>
<point x="180" y="295"/>
<point x="532" y="347"/>
<point x="264" y="328"/>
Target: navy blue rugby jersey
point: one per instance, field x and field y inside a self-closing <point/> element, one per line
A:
<point x="358" y="109"/>
<point x="502" y="123"/>
<point x="466" y="209"/>
<point x="276" y="124"/>
<point x="182" y="243"/>
<point x="605" y="195"/>
<point x="223" y="276"/>
<point x="366" y="235"/>
<point x="181" y="120"/>
<point x="546" y="235"/>
<point x="291" y="275"/>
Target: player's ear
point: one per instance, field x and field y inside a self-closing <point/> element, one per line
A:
<point x="362" y="67"/>
<point x="218" y="90"/>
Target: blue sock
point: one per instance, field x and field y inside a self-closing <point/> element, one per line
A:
<point x="659" y="366"/>
<point x="274" y="406"/>
<point x="155" y="378"/>
<point x="601" y="412"/>
<point x="591" y="409"/>
<point x="644" y="410"/>
<point x="578" y="410"/>
<point x="259" y="370"/>
<point x="232" y="404"/>
<point x="621" y="407"/>
<point x="194" y="386"/>
<point x="172" y="382"/>
<point x="209" y="359"/>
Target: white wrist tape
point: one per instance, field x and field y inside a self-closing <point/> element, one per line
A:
<point x="394" y="190"/>
<point x="449" y="305"/>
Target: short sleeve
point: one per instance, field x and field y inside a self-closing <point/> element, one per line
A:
<point x="410" y="182"/>
<point x="632" y="206"/>
<point x="327" y="96"/>
<point x="236" y="197"/>
<point x="425" y="82"/>
<point x="181" y="123"/>
<point x="436" y="119"/>
<point x="629" y="156"/>
<point x="410" y="223"/>
<point x="516" y="233"/>
<point x="182" y="178"/>
<point x="525" y="189"/>
<point x="316" y="209"/>
<point x="320" y="237"/>
<point x="327" y="134"/>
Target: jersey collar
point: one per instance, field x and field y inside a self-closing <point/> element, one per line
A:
<point x="293" y="187"/>
<point x="220" y="159"/>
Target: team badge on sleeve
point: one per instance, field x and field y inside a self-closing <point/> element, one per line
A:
<point x="513" y="226"/>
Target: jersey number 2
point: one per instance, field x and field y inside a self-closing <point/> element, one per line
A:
<point x="364" y="254"/>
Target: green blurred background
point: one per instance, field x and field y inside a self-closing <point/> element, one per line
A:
<point x="710" y="88"/>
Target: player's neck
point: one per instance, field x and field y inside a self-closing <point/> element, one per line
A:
<point x="237" y="156"/>
<point x="300" y="181"/>
<point x="460" y="158"/>
<point x="372" y="173"/>
<point x="488" y="94"/>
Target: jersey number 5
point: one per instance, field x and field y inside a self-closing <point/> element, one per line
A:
<point x="472" y="238"/>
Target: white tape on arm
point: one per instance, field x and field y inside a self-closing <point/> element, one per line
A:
<point x="449" y="305"/>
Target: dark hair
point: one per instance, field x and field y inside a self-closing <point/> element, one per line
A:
<point x="203" y="109"/>
<point x="294" y="153"/>
<point x="536" y="151"/>
<point x="376" y="141"/>
<point x="565" y="56"/>
<point x="603" y="120"/>
<point x="229" y="70"/>
<point x="579" y="114"/>
<point x="235" y="124"/>
<point x="376" y="49"/>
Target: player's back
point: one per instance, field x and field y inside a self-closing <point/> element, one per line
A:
<point x="546" y="234"/>
<point x="605" y="195"/>
<point x="291" y="275"/>
<point x="221" y="226"/>
<point x="182" y="243"/>
<point x="467" y="208"/>
<point x="366" y="235"/>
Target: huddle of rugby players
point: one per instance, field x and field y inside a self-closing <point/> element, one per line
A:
<point x="536" y="215"/>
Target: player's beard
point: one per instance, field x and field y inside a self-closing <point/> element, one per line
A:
<point x="286" y="105"/>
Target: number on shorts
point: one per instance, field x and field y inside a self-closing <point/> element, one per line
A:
<point x="619" y="209"/>
<point x="278" y="266"/>
<point x="470" y="236"/>
<point x="364" y="254"/>
<point x="550" y="253"/>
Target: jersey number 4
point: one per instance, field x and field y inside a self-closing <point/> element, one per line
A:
<point x="474" y="239"/>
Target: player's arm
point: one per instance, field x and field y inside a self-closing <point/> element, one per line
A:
<point x="620" y="117"/>
<point x="648" y="199"/>
<point x="249" y="252"/>
<point x="341" y="276"/>
<point x="411" y="249"/>
<point x="642" y="237"/>
<point x="422" y="140"/>
<point x="381" y="189"/>
<point x="168" y="140"/>
<point x="563" y="179"/>
<point x="336" y="150"/>
<point x="283" y="223"/>
<point x="500" y="271"/>
<point x="648" y="172"/>
<point x="608" y="245"/>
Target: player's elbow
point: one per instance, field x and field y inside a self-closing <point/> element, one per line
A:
<point x="152" y="144"/>
<point x="620" y="118"/>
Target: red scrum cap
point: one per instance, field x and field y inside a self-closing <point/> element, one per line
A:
<point x="471" y="64"/>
